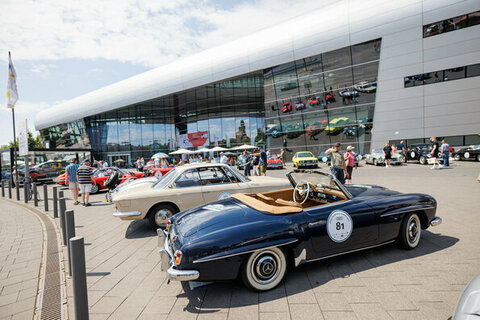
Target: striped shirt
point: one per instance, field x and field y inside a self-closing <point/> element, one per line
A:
<point x="84" y="174"/>
<point x="71" y="170"/>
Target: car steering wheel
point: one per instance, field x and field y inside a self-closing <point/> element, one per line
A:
<point x="303" y="190"/>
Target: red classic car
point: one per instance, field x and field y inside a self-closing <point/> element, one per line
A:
<point x="101" y="175"/>
<point x="286" y="107"/>
<point x="313" y="101"/>
<point x="274" y="162"/>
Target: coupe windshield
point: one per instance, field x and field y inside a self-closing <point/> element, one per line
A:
<point x="166" y="179"/>
<point x="305" y="155"/>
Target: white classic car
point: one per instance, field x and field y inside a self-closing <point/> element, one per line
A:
<point x="377" y="159"/>
<point x="185" y="187"/>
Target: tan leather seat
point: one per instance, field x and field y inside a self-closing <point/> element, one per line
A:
<point x="288" y="203"/>
<point x="264" y="207"/>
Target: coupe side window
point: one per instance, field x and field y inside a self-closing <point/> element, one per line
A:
<point x="189" y="178"/>
<point x="213" y="175"/>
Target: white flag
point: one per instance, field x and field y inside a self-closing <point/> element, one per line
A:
<point x="12" y="93"/>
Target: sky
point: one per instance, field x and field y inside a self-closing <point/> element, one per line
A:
<point x="63" y="49"/>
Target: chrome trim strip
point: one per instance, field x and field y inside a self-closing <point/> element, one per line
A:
<point x="126" y="214"/>
<point x="436" y="221"/>
<point x="360" y="249"/>
<point x="243" y="252"/>
<point x="404" y="211"/>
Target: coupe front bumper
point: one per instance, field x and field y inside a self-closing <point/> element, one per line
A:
<point x="435" y="221"/>
<point x="167" y="261"/>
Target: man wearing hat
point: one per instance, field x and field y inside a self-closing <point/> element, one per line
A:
<point x="350" y="163"/>
<point x="223" y="158"/>
<point x="337" y="163"/>
<point x="85" y="181"/>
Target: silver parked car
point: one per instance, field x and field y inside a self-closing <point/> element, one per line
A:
<point x="468" y="306"/>
<point x="377" y="158"/>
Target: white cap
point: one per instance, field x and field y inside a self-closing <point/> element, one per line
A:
<point x="350" y="148"/>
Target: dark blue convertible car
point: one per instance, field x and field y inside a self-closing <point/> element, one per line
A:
<point x="256" y="236"/>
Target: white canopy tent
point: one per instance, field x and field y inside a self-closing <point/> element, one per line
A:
<point x="244" y="147"/>
<point x="160" y="155"/>
<point x="181" y="151"/>
<point x="203" y="150"/>
<point x="218" y="149"/>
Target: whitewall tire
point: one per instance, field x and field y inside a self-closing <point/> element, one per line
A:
<point x="410" y="231"/>
<point x="264" y="269"/>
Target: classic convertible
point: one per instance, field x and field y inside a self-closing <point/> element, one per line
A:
<point x="258" y="235"/>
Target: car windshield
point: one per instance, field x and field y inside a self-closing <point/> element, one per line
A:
<point x="377" y="151"/>
<point x="165" y="179"/>
<point x="316" y="178"/>
<point x="304" y="155"/>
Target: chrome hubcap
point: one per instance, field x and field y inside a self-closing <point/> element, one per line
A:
<point x="265" y="268"/>
<point x="94" y="189"/>
<point x="162" y="216"/>
<point x="412" y="231"/>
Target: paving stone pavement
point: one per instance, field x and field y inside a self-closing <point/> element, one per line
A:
<point x="125" y="282"/>
<point x="21" y="239"/>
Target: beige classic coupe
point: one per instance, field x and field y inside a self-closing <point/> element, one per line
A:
<point x="185" y="187"/>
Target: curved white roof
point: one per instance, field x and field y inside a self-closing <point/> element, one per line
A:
<point x="343" y="23"/>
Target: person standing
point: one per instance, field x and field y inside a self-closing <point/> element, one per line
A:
<point x="71" y="179"/>
<point x="164" y="163"/>
<point x="350" y="163"/>
<point x="282" y="157"/>
<point x="337" y="164"/>
<point x="223" y="158"/>
<point x="156" y="161"/>
<point x="256" y="164"/>
<point x="105" y="164"/>
<point x="387" y="154"/>
<point x="445" y="150"/>
<point x="263" y="162"/>
<point x="434" y="153"/>
<point x="248" y="164"/>
<point x="85" y="181"/>
<point x="401" y="148"/>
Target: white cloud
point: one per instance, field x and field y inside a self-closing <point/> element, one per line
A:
<point x="145" y="32"/>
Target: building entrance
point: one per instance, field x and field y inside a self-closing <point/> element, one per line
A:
<point x="121" y="160"/>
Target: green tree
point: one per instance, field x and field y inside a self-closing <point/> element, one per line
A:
<point x="33" y="142"/>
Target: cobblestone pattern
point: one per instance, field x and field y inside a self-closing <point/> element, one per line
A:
<point x="21" y="239"/>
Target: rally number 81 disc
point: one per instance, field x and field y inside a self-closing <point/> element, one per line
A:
<point x="339" y="226"/>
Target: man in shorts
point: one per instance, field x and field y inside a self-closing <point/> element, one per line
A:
<point x="85" y="181"/>
<point x="337" y="164"/>
<point x="71" y="179"/>
<point x="387" y="153"/>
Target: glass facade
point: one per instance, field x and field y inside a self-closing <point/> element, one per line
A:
<point x="451" y="24"/>
<point x="469" y="71"/>
<point x="314" y="102"/>
<point x="226" y="114"/>
<point x="307" y="104"/>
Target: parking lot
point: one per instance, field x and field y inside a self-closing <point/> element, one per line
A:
<point x="125" y="282"/>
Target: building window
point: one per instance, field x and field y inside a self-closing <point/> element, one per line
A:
<point x="451" y="24"/>
<point x="442" y="75"/>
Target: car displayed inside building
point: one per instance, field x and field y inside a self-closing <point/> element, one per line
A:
<point x="257" y="236"/>
<point x="182" y="188"/>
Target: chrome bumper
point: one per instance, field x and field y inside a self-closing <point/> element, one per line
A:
<point x="167" y="261"/>
<point x="436" y="221"/>
<point x="126" y="214"/>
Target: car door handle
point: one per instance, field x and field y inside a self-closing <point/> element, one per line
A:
<point x="316" y="224"/>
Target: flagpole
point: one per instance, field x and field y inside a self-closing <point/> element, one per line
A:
<point x="14" y="139"/>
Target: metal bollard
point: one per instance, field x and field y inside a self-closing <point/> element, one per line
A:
<point x="35" y="195"/>
<point x="79" y="278"/>
<point x="60" y="194"/>
<point x="17" y="189"/>
<point x="70" y="226"/>
<point x="26" y="184"/>
<point x="55" y="202"/>
<point x="3" y="188"/>
<point x="45" y="197"/>
<point x="62" y="220"/>
<point x="10" y="189"/>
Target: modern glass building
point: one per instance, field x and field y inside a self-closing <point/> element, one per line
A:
<point x="351" y="72"/>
